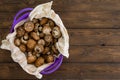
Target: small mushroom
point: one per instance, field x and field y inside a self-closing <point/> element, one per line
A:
<point x="40" y="28"/>
<point x="43" y="21"/>
<point x="34" y="35"/>
<point x="47" y="43"/>
<point x="29" y="26"/>
<point x="20" y="31"/>
<point x="55" y="40"/>
<point x="35" y="20"/>
<point x="46" y="50"/>
<point x="36" y="27"/>
<point x="31" y="58"/>
<point x="31" y="43"/>
<point x="40" y="61"/>
<point x="46" y="29"/>
<point x="26" y="37"/>
<point x="56" y="32"/>
<point x="48" y="38"/>
<point x="23" y="40"/>
<point x="51" y="23"/>
<point x="22" y="47"/>
<point x="41" y="35"/>
<point x="17" y="41"/>
<point x="39" y="48"/>
<point x="54" y="49"/>
<point x="36" y="54"/>
<point x="49" y="58"/>
<point x="41" y="42"/>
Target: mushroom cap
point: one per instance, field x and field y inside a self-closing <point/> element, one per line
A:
<point x="49" y="58"/>
<point x="54" y="49"/>
<point x="36" y="27"/>
<point x="48" y="38"/>
<point x="43" y="21"/>
<point x="41" y="42"/>
<point x="46" y="29"/>
<point x="51" y="23"/>
<point x="31" y="43"/>
<point x="20" y="31"/>
<point x="56" y="32"/>
<point x="23" y="40"/>
<point x="26" y="37"/>
<point x="39" y="61"/>
<point x="22" y="47"/>
<point x="31" y="58"/>
<point x="39" y="48"/>
<point x="46" y="50"/>
<point x="34" y="20"/>
<point x="29" y="26"/>
<point x="34" y="35"/>
<point x="17" y="41"/>
<point x="41" y="35"/>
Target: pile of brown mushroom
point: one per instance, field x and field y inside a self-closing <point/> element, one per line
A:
<point x="37" y="39"/>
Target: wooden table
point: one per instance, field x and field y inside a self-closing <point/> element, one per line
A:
<point x="94" y="30"/>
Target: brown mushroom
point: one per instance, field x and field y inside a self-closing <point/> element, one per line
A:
<point x="39" y="48"/>
<point x="49" y="58"/>
<point x="29" y="26"/>
<point x="46" y="29"/>
<point x="31" y="58"/>
<point x="23" y="40"/>
<point x="20" y="31"/>
<point x="43" y="21"/>
<point x="41" y="42"/>
<point x="54" y="49"/>
<point x="55" y="40"/>
<point x="47" y="43"/>
<point x="17" y="41"/>
<point x="41" y="35"/>
<point x="31" y="43"/>
<point x="40" y="61"/>
<point x="36" y="27"/>
<point x="40" y="28"/>
<point x="26" y="37"/>
<point x="34" y="35"/>
<point x="48" y="38"/>
<point x="34" y="20"/>
<point x="56" y="32"/>
<point x="51" y="23"/>
<point x="46" y="50"/>
<point x="22" y="47"/>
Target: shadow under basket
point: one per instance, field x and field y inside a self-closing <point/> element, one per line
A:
<point x="23" y="14"/>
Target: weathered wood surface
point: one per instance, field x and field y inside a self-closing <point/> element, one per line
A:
<point x="94" y="30"/>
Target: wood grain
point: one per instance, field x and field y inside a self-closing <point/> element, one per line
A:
<point x="80" y="13"/>
<point x="80" y="71"/>
<point x="77" y="20"/>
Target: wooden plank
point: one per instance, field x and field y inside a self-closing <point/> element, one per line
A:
<point x="78" y="20"/>
<point x="87" y="15"/>
<point x="63" y="5"/>
<point x="86" y="36"/>
<point x="75" y="71"/>
<point x="81" y="54"/>
<point x="94" y="36"/>
<point x="58" y="5"/>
